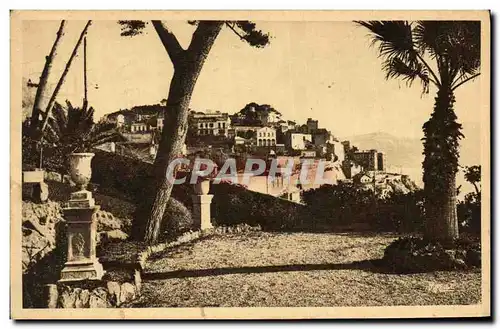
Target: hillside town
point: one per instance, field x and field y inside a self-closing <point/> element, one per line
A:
<point x="137" y="193"/>
<point x="259" y="131"/>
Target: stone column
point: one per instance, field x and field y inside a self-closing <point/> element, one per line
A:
<point x="201" y="211"/>
<point x="81" y="263"/>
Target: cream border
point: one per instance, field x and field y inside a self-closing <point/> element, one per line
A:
<point x="17" y="312"/>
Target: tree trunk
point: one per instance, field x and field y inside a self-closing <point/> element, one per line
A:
<point x="62" y="78"/>
<point x="476" y="188"/>
<point x="41" y="91"/>
<point x="187" y="68"/>
<point x="441" y="142"/>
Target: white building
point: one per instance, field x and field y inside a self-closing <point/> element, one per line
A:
<point x="298" y="141"/>
<point x="211" y="123"/>
<point x="266" y="136"/>
<point x="137" y="127"/>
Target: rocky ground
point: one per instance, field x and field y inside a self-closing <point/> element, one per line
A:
<point x="294" y="269"/>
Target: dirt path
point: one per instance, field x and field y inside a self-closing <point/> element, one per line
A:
<point x="293" y="269"/>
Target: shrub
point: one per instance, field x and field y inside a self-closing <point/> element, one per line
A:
<point x="469" y="213"/>
<point x="233" y="204"/>
<point x="338" y="204"/>
<point x="470" y="246"/>
<point x="400" y="212"/>
<point x="344" y="203"/>
<point x="417" y="254"/>
<point x="121" y="176"/>
<point x="177" y="219"/>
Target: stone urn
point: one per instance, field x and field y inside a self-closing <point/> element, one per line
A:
<point x="80" y="169"/>
<point x="202" y="187"/>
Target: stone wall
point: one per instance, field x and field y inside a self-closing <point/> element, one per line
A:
<point x="38" y="227"/>
<point x="102" y="294"/>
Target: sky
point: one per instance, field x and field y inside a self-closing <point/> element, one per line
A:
<point x="324" y="70"/>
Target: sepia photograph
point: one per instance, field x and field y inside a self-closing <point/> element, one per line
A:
<point x="250" y="165"/>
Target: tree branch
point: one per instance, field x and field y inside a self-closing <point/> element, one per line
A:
<point x="234" y="30"/>
<point x="464" y="81"/>
<point x="205" y="29"/>
<point x="203" y="38"/>
<point x="435" y="78"/>
<point x="169" y="41"/>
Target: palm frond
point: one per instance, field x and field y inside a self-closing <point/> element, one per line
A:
<point x="429" y="37"/>
<point x="396" y="68"/>
<point x="456" y="46"/>
<point x="465" y="36"/>
<point x="394" y="38"/>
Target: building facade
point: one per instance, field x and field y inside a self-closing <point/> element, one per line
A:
<point x="312" y="125"/>
<point x="297" y="141"/>
<point x="210" y="123"/>
<point x="322" y="137"/>
<point x="367" y="159"/>
<point x="266" y="136"/>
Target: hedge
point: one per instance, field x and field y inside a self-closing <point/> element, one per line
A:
<point x="233" y="204"/>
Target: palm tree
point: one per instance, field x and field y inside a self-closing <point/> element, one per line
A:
<point x="72" y="129"/>
<point x="453" y="49"/>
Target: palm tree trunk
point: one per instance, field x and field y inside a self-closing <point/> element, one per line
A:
<point x="63" y="77"/>
<point x="441" y="142"/>
<point x="186" y="71"/>
<point x="41" y="91"/>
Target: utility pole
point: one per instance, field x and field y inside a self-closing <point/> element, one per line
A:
<point x="85" y="97"/>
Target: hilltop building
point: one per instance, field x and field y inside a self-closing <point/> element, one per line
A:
<point x="266" y="136"/>
<point x="297" y="140"/>
<point x="210" y="123"/>
<point x="312" y="125"/>
<point x="369" y="160"/>
<point x="322" y="137"/>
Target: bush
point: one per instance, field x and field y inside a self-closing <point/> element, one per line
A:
<point x="416" y="254"/>
<point x="338" y="204"/>
<point x="345" y="204"/>
<point x="233" y="204"/>
<point x="469" y="213"/>
<point x="400" y="213"/>
<point x="115" y="174"/>
<point x="177" y="220"/>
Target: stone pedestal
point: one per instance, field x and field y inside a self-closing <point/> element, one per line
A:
<point x="201" y="211"/>
<point x="81" y="263"/>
